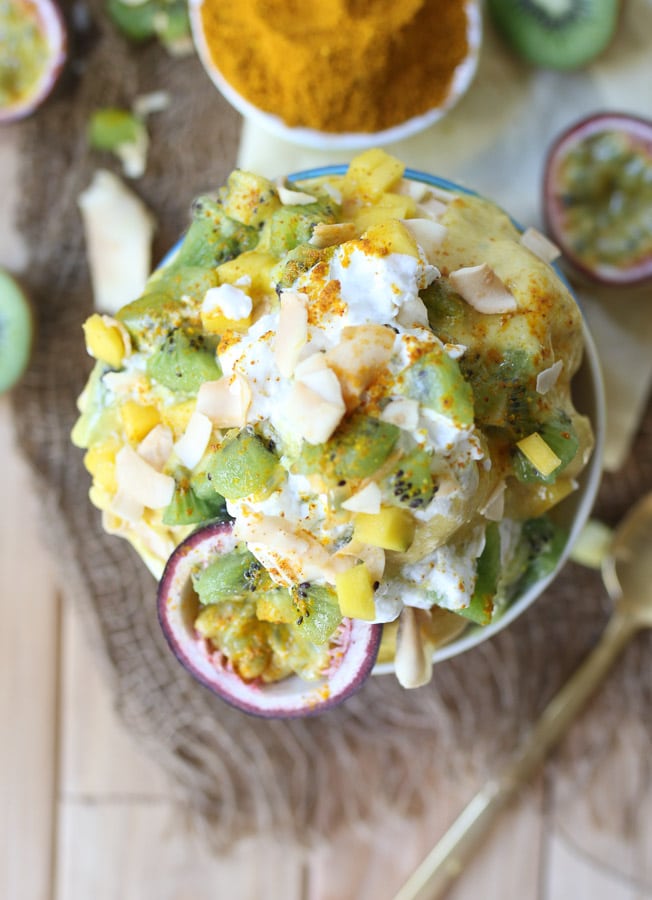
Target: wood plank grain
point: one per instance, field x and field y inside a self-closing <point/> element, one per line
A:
<point x="29" y="610"/>
<point x="373" y="865"/>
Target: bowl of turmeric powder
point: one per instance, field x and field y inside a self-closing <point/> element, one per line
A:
<point x="341" y="74"/>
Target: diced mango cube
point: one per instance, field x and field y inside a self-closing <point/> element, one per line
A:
<point x="541" y="455"/>
<point x="177" y="416"/>
<point x="355" y="593"/>
<point x="392" y="237"/>
<point x="104" y="341"/>
<point x="216" y="323"/>
<point x="138" y="420"/>
<point x="257" y="265"/>
<point x="392" y="528"/>
<point x="99" y="460"/>
<point x="372" y="173"/>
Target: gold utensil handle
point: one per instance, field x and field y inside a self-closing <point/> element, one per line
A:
<point x="447" y="859"/>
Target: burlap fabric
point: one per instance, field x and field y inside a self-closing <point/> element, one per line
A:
<point x="384" y="749"/>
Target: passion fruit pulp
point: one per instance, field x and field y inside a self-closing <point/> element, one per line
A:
<point x="353" y="648"/>
<point x="597" y="198"/>
<point x="33" y="55"/>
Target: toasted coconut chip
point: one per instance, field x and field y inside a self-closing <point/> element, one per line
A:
<point x="403" y="411"/>
<point x="413" y="312"/>
<point x="226" y="401"/>
<point x="483" y="289"/>
<point x="325" y="235"/>
<point x="153" y="102"/>
<point x="363" y="352"/>
<point x="428" y="234"/>
<point x="311" y="416"/>
<point x="540" y="245"/>
<point x="124" y="506"/>
<point x="193" y="442"/>
<point x="140" y="482"/>
<point x="432" y="208"/>
<point x="494" y="508"/>
<point x="156" y="447"/>
<point x="372" y="557"/>
<point x="292" y="332"/>
<point x="289" y="197"/>
<point x="366" y="500"/>
<point x="118" y="228"/>
<point x="547" y="379"/>
<point x="315" y="374"/>
<point x="413" y="660"/>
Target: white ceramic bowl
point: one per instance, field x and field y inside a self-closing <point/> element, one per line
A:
<point x="324" y="140"/>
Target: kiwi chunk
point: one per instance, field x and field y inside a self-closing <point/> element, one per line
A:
<point x="446" y="310"/>
<point x="290" y="225"/>
<point x="318" y="612"/>
<point x="242" y="465"/>
<point x="357" y="449"/>
<point x="503" y="390"/>
<point x="556" y="35"/>
<point x="187" y="507"/>
<point x="436" y="381"/>
<point x="149" y="318"/>
<point x="298" y="262"/>
<point x="410" y="481"/>
<point x="183" y="362"/>
<point x="229" y="575"/>
<point x="15" y="331"/>
<point x="560" y="435"/>
<point x="213" y="237"/>
<point x="481" y="606"/>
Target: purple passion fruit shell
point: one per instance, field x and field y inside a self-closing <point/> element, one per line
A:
<point x="353" y="654"/>
<point x="51" y="26"/>
<point x="597" y="198"/>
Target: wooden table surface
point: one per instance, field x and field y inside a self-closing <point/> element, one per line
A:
<point x="85" y="816"/>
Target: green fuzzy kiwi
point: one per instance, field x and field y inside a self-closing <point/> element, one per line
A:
<point x="16" y="331"/>
<point x="554" y="34"/>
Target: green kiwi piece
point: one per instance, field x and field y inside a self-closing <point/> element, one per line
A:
<point x="187" y="507"/>
<point x="242" y="465"/>
<point x="436" y="381"/>
<point x="504" y="394"/>
<point x="228" y="575"/>
<point x="16" y="331"/>
<point x="183" y="362"/>
<point x="357" y="449"/>
<point x="318" y="612"/>
<point x="560" y="435"/>
<point x="291" y="225"/>
<point x="481" y="606"/>
<point x="556" y="35"/>
<point x="213" y="237"/>
<point x="410" y="482"/>
<point x="298" y="262"/>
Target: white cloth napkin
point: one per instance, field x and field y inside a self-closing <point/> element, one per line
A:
<point x="495" y="141"/>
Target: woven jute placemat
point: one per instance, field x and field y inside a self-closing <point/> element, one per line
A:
<point x="385" y="749"/>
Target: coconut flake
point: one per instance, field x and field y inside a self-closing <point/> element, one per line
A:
<point x="292" y="332"/>
<point x="156" y="447"/>
<point x="494" y="508"/>
<point x="540" y="245"/>
<point x="413" y="660"/>
<point x="141" y="482"/>
<point x="124" y="506"/>
<point x="118" y="229"/>
<point x="315" y="374"/>
<point x="310" y="415"/>
<point x="403" y="412"/>
<point x="289" y="197"/>
<point x="154" y="101"/>
<point x="547" y="379"/>
<point x="366" y="500"/>
<point x="226" y="401"/>
<point x="483" y="289"/>
<point x="193" y="442"/>
<point x="327" y="235"/>
<point x="428" y="234"/>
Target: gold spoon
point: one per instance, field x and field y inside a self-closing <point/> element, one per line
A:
<point x="627" y="574"/>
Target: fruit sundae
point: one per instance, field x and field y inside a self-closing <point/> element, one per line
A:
<point x="334" y="425"/>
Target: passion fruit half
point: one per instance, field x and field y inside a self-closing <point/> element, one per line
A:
<point x="597" y="198"/>
<point x="34" y="52"/>
<point x="352" y="651"/>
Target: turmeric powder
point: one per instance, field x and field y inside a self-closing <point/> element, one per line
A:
<point x="338" y="65"/>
